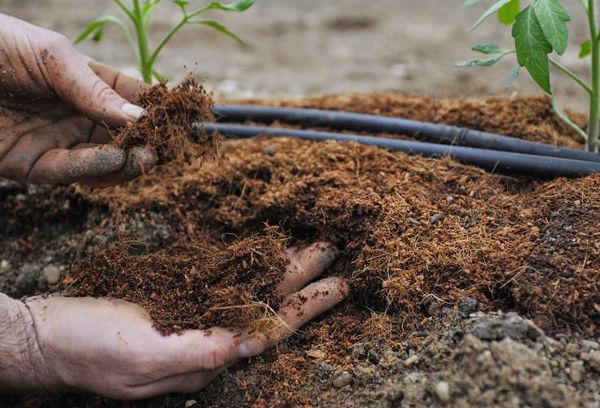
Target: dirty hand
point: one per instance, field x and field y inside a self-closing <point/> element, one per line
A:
<point x="53" y="105"/>
<point x="109" y="347"/>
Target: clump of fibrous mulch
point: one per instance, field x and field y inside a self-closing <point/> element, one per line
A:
<point x="168" y="125"/>
<point x="192" y="283"/>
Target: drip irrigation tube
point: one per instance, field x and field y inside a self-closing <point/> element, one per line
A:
<point x="423" y="131"/>
<point x="496" y="161"/>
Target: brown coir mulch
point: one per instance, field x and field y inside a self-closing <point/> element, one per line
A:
<point x="167" y="125"/>
<point x="415" y="235"/>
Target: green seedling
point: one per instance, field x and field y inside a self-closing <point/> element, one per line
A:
<point x="540" y="33"/>
<point x="138" y="13"/>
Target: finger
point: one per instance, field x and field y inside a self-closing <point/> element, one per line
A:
<point x="75" y="82"/>
<point x="126" y="86"/>
<point x="64" y="166"/>
<point x="297" y="310"/>
<point x="140" y="161"/>
<point x="306" y="264"/>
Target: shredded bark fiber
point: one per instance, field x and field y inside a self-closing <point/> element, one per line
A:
<point x="167" y="124"/>
<point x="191" y="283"/>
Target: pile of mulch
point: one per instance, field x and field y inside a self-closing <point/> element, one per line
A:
<point x="415" y="235"/>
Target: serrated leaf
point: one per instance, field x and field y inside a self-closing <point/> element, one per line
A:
<point x="95" y="28"/>
<point x="512" y="77"/>
<point x="560" y="112"/>
<point x="508" y="12"/>
<point x="488" y="48"/>
<point x="492" y="10"/>
<point x="532" y="48"/>
<point x="585" y="49"/>
<point x="553" y="18"/>
<point x="218" y="27"/>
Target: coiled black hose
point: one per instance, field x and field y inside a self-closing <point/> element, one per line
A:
<point x="423" y="131"/>
<point x="496" y="161"/>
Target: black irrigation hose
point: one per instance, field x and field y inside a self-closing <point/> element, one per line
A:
<point x="493" y="160"/>
<point x="423" y="131"/>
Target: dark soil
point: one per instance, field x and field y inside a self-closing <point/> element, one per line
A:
<point x="418" y="237"/>
<point x="167" y="125"/>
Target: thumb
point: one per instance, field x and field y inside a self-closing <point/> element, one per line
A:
<point x="76" y="83"/>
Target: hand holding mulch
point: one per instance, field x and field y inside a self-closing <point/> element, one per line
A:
<point x="110" y="347"/>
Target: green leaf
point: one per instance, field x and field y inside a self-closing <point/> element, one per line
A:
<point x="567" y="120"/>
<point x="238" y="5"/>
<point x="95" y="28"/>
<point x="218" y="27"/>
<point x="488" y="48"/>
<point x="481" y="62"/>
<point x="512" y="77"/>
<point x="492" y="10"/>
<point x="553" y="18"/>
<point x="532" y="48"/>
<point x="469" y="3"/>
<point x="508" y="12"/>
<point x="585" y="49"/>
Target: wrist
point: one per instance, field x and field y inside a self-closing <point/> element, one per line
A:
<point x="22" y="365"/>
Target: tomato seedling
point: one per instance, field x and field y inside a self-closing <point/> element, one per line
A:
<point x="540" y="30"/>
<point x="138" y="13"/>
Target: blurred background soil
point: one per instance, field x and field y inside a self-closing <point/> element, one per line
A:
<point x="299" y="48"/>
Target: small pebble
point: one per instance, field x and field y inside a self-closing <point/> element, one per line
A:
<point x="442" y="390"/>
<point x="592" y="359"/>
<point x="270" y="150"/>
<point x="449" y="199"/>
<point x="413" y="221"/>
<point x="435" y="218"/>
<point x="4" y="265"/>
<point x="588" y="344"/>
<point x="51" y="274"/>
<point x="374" y="357"/>
<point x="359" y="351"/>
<point x="414" y="359"/>
<point x="467" y="306"/>
<point x="190" y="403"/>
<point x="576" y="371"/>
<point x="342" y="379"/>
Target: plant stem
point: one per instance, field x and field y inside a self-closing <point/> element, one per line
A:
<point x="142" y="37"/>
<point x="166" y="39"/>
<point x="572" y="75"/>
<point x="594" y="117"/>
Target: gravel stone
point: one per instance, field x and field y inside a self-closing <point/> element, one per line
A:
<point x="576" y="371"/>
<point x="467" y="306"/>
<point x="592" y="359"/>
<point x="442" y="390"/>
<point x="51" y="274"/>
<point x="342" y="379"/>
<point x="435" y="218"/>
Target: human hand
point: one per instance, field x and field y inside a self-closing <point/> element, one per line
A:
<point x="109" y="347"/>
<point x="54" y="103"/>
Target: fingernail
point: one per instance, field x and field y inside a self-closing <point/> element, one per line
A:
<point x="250" y="348"/>
<point x="133" y="111"/>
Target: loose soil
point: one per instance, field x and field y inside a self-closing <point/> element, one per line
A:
<point x="425" y="244"/>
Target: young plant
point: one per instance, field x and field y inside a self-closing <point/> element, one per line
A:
<point x="539" y="29"/>
<point x="138" y="12"/>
